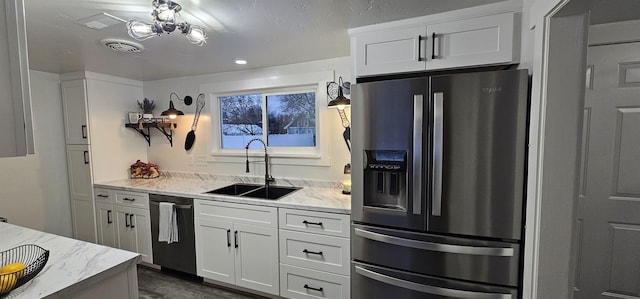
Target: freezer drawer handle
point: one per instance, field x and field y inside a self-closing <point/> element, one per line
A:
<point x="432" y="246"/>
<point x="306" y="286"/>
<point x="427" y="288"/>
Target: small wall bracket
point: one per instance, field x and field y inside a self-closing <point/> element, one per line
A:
<point x="144" y="128"/>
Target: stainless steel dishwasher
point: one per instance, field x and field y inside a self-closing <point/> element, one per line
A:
<point x="181" y="255"/>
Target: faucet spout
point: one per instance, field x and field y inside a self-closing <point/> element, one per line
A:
<point x="267" y="177"/>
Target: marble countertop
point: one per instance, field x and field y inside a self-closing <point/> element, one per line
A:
<point x="72" y="265"/>
<point x="314" y="196"/>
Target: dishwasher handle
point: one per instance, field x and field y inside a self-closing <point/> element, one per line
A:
<point x="177" y="206"/>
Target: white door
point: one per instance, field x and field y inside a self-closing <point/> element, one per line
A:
<point x="83" y="221"/>
<point x="215" y="249"/>
<point x="257" y="265"/>
<point x="106" y="224"/>
<point x="608" y="221"/>
<point x="140" y="224"/>
<point x="393" y="51"/>
<point x="477" y="41"/>
<point x="126" y="235"/>
<point x="74" y="105"/>
<point x="79" y="168"/>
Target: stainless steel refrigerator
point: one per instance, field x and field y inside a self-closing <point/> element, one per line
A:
<point x="438" y="186"/>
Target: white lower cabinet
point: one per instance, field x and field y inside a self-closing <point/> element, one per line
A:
<point x="124" y="225"/>
<point x="238" y="244"/>
<point x="314" y="254"/>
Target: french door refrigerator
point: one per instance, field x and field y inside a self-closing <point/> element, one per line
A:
<point x="438" y="186"/>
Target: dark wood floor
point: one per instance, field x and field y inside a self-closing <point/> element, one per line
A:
<point x="154" y="284"/>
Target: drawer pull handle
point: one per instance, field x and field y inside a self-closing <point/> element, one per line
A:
<point x="129" y="199"/>
<point x="103" y="196"/>
<point x="312" y="252"/>
<point x="131" y="217"/>
<point x="306" y="286"/>
<point x="235" y="238"/>
<point x="109" y="221"/>
<point x="228" y="238"/>
<point x="312" y="223"/>
<point x="126" y="220"/>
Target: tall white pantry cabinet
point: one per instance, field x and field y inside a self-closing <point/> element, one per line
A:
<point x="99" y="147"/>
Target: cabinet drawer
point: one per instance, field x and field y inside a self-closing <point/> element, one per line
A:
<point x="298" y="282"/>
<point x="104" y="195"/>
<point x="237" y="213"/>
<point x="133" y="199"/>
<point x="315" y="222"/>
<point x="314" y="251"/>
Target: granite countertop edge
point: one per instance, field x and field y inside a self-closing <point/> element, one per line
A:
<point x="310" y="198"/>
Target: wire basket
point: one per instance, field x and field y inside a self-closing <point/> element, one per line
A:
<point x="33" y="257"/>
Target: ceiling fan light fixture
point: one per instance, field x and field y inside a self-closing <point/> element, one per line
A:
<point x="164" y="20"/>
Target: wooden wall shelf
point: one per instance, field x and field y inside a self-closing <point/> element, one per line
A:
<point x="144" y="128"/>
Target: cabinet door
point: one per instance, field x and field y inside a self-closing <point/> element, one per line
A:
<point x="126" y="236"/>
<point x="74" y="104"/>
<point x="106" y="224"/>
<point x="256" y="259"/>
<point x="83" y="220"/>
<point x="79" y="168"/>
<point x="392" y="51"/>
<point x="140" y="224"/>
<point x="215" y="248"/>
<point x="15" y="94"/>
<point x="473" y="42"/>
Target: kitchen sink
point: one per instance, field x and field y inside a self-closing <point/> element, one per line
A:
<point x="255" y="191"/>
<point x="235" y="189"/>
<point x="270" y="192"/>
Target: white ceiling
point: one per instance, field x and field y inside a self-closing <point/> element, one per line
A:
<point x="265" y="32"/>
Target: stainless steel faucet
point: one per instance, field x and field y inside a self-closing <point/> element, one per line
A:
<point x="267" y="177"/>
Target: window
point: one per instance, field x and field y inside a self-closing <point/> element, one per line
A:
<point x="282" y="119"/>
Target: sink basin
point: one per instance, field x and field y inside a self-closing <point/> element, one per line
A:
<point x="255" y="191"/>
<point x="235" y="189"/>
<point x="271" y="192"/>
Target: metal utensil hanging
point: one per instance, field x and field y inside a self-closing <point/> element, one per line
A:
<point x="191" y="136"/>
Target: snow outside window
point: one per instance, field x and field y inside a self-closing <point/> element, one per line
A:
<point x="284" y="119"/>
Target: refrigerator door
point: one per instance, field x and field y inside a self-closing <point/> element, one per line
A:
<point x="479" y="139"/>
<point x="456" y="258"/>
<point x="389" y="141"/>
<point x="373" y="282"/>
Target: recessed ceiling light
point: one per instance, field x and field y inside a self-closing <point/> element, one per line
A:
<point x="240" y="61"/>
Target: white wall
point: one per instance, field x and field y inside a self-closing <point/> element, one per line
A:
<point x="34" y="190"/>
<point x="113" y="146"/>
<point x="177" y="159"/>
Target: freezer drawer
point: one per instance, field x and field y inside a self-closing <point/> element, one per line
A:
<point x="372" y="282"/>
<point x="457" y="258"/>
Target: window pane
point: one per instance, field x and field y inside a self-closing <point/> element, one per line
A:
<point x="292" y="119"/>
<point x="241" y="119"/>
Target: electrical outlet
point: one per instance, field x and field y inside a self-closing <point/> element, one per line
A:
<point x="200" y="160"/>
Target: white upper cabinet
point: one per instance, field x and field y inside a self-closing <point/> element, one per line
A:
<point x="74" y="104"/>
<point x="437" y="45"/>
<point x="15" y="93"/>
<point x="392" y="51"/>
<point x="479" y="41"/>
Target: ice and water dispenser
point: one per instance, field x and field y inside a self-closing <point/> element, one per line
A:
<point x="385" y="179"/>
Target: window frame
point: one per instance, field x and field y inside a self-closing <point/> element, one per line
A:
<point x="317" y="155"/>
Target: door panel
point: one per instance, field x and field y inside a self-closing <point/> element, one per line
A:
<point x="126" y="237"/>
<point x="141" y="227"/>
<point x="480" y="154"/>
<point x="106" y="223"/>
<point x="257" y="258"/>
<point x="609" y="246"/>
<point x="215" y="250"/>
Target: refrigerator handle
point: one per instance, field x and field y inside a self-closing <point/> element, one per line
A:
<point x="418" y="108"/>
<point x="436" y="177"/>
<point x="435" y="246"/>
<point x="428" y="289"/>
